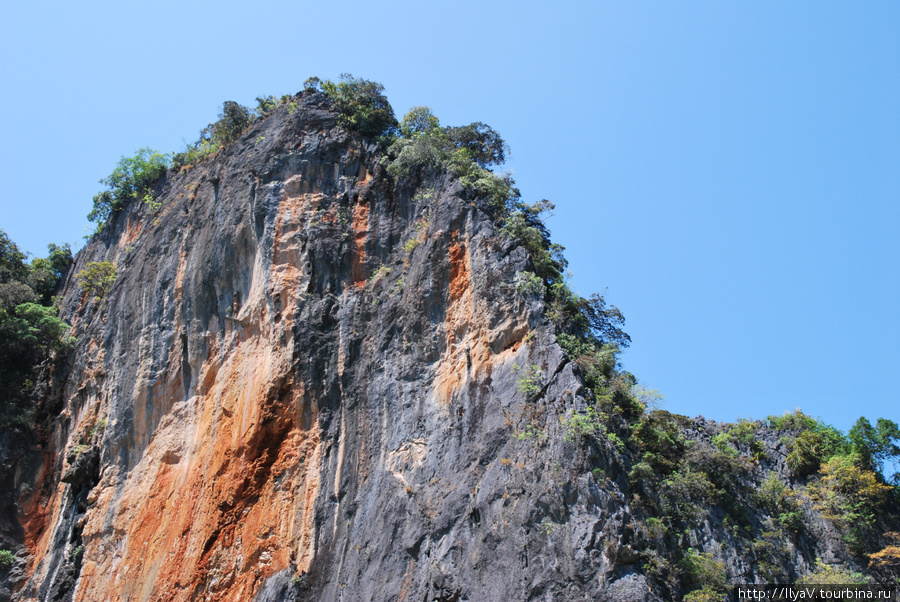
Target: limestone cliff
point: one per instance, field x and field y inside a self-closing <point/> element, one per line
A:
<point x="305" y="385"/>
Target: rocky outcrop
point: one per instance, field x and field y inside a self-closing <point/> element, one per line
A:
<point x="304" y="385"/>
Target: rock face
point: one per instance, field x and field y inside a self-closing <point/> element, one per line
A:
<point x="304" y="386"/>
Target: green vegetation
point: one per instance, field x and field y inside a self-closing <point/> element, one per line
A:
<point x="133" y="179"/>
<point x="811" y="443"/>
<point x="706" y="574"/>
<point x="582" y="424"/>
<point x="743" y="434"/>
<point x="781" y="502"/>
<point x="529" y="381"/>
<point x="850" y="496"/>
<point x="528" y="283"/>
<point x="30" y="331"/>
<point x="686" y="492"/>
<point x="7" y="558"/>
<point x="530" y="432"/>
<point x="829" y="574"/>
<point x="362" y="103"/>
<point x="874" y="446"/>
<point x="234" y="119"/>
<point x="98" y="428"/>
<point x="97" y="278"/>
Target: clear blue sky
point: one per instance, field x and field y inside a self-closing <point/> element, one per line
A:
<point x="728" y="172"/>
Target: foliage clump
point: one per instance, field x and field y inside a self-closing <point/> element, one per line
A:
<point x="133" y="179"/>
<point x="781" y="502"/>
<point x="30" y="331"/>
<point x="743" y="435"/>
<point x="830" y="574"/>
<point x="97" y="278"/>
<point x="361" y="102"/>
<point x="705" y="573"/>
<point x="849" y="495"/>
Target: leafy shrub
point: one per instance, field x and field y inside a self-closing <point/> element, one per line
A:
<point x="705" y="594"/>
<point x="194" y="153"/>
<point x="529" y="381"/>
<point x="659" y="436"/>
<point x="780" y="501"/>
<point x="685" y="491"/>
<point x="267" y="104"/>
<point x="362" y="102"/>
<point x="418" y="122"/>
<point x="742" y="434"/>
<point x="530" y="432"/>
<point x="641" y="471"/>
<point x="792" y="421"/>
<point x="528" y="283"/>
<point x="597" y="364"/>
<point x="233" y="120"/>
<point x="829" y="574"/>
<point x="419" y="150"/>
<point x="813" y="447"/>
<point x="38" y="327"/>
<point x="654" y="527"/>
<point x="722" y="443"/>
<point x="410" y="245"/>
<point x="702" y="570"/>
<point x="651" y="399"/>
<point x="97" y="278"/>
<point x="132" y="179"/>
<point x="585" y="423"/>
<point x="848" y="494"/>
<point x="7" y="558"/>
<point x="481" y="143"/>
<point x="46" y="274"/>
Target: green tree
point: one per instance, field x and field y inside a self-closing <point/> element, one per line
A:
<point x="132" y="180"/>
<point x="813" y="447"/>
<point x="363" y="104"/>
<point x="481" y="142"/>
<point x="29" y="332"/>
<point x="419" y="121"/>
<point x="875" y="445"/>
<point x="12" y="260"/>
<point x="233" y="119"/>
<point x="97" y="278"/>
<point x="46" y="274"/>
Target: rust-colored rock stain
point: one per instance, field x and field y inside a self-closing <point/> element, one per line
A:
<point x="360" y="232"/>
<point x="223" y="494"/>
<point x="466" y="352"/>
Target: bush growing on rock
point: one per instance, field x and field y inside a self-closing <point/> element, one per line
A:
<point x="132" y="180"/>
<point x="97" y="278"/>
<point x="362" y="102"/>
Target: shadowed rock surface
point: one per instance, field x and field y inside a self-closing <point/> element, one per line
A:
<point x="303" y="386"/>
